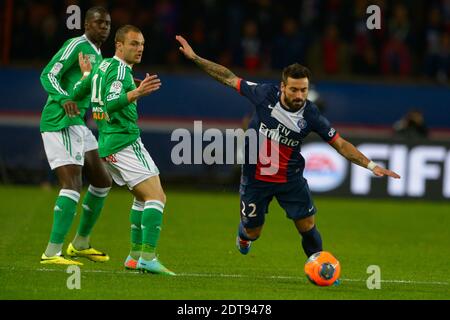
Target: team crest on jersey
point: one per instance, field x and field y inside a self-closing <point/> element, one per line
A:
<point x="116" y="87"/>
<point x="302" y="124"/>
<point x="56" y="68"/>
<point x="92" y="58"/>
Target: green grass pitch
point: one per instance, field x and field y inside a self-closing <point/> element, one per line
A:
<point x="408" y="240"/>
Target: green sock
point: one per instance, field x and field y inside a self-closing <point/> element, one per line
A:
<point x="92" y="206"/>
<point x="64" y="212"/>
<point x="136" y="231"/>
<point x="151" y="227"/>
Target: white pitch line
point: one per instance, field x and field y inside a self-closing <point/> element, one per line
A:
<point x="221" y="275"/>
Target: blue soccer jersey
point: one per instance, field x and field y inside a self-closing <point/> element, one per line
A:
<point x="280" y="131"/>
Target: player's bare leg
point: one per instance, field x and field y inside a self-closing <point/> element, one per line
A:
<point x="100" y="184"/>
<point x="151" y="194"/>
<point x="246" y="236"/>
<point x="304" y="225"/>
<point x="95" y="170"/>
<point x="149" y="189"/>
<point x="69" y="177"/>
<point x="311" y="240"/>
<point x="254" y="233"/>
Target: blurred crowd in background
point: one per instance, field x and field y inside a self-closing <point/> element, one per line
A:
<point x="329" y="36"/>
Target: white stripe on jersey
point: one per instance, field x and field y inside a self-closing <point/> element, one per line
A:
<point x="71" y="47"/>
<point x="121" y="72"/>
<point x="289" y="119"/>
<point x="124" y="71"/>
<point x="56" y="85"/>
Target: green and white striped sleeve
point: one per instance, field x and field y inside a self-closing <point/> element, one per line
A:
<point x="117" y="84"/>
<point x="55" y="69"/>
<point x="82" y="88"/>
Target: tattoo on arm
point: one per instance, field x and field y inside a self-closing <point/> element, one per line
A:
<point x="354" y="155"/>
<point x="218" y="72"/>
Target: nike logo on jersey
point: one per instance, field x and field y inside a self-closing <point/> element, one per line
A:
<point x="312" y="208"/>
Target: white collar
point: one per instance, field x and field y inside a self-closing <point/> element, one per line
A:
<point x="92" y="45"/>
<point x="118" y="59"/>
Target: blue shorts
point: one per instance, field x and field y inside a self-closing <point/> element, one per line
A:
<point x="294" y="197"/>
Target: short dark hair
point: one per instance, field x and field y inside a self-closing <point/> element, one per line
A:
<point x="122" y="32"/>
<point x="295" y="71"/>
<point x="92" y="11"/>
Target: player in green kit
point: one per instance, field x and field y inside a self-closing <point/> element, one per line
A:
<point x="70" y="145"/>
<point x="114" y="98"/>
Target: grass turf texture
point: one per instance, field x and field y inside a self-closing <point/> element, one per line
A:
<point x="408" y="240"/>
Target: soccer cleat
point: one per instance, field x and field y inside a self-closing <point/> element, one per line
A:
<point x="130" y="263"/>
<point x="243" y="245"/>
<point x="58" y="259"/>
<point x="90" y="253"/>
<point x="153" y="266"/>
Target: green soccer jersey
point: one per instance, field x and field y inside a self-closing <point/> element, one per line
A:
<point x="116" y="118"/>
<point x="58" y="79"/>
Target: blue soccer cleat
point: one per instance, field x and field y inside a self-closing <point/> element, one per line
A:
<point x="153" y="266"/>
<point x="243" y="245"/>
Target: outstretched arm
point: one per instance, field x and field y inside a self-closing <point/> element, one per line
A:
<point x="218" y="72"/>
<point x="351" y="153"/>
<point x="115" y="101"/>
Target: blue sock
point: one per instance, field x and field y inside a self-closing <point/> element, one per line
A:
<point x="243" y="235"/>
<point x="311" y="241"/>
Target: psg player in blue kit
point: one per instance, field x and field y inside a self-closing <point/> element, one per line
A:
<point x="283" y="118"/>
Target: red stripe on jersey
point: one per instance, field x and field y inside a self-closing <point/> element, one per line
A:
<point x="238" y="86"/>
<point x="273" y="169"/>
<point x="334" y="138"/>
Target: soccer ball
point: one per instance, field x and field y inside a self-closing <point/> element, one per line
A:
<point x="322" y="269"/>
